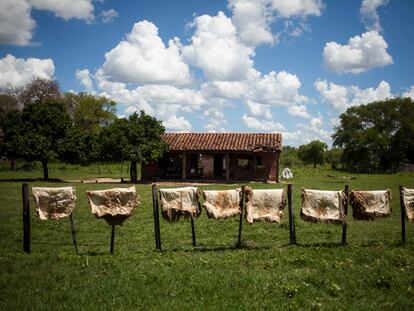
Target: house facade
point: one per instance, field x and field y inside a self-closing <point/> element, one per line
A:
<point x="217" y="156"/>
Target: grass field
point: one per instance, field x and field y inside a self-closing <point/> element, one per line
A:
<point x="373" y="272"/>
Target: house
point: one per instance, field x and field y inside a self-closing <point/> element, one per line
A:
<point x="218" y="156"/>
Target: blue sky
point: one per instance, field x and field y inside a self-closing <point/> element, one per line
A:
<point x="289" y="66"/>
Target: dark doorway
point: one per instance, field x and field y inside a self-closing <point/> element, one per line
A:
<point x="218" y="166"/>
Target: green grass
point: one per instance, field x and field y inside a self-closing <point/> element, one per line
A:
<point x="373" y="272"/>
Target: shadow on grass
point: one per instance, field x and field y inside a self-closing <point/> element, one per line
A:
<point x="54" y="180"/>
<point x="319" y="244"/>
<point x="221" y="248"/>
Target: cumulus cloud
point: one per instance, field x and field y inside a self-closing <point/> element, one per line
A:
<point x="84" y="77"/>
<point x="216" y="49"/>
<point x="17" y="72"/>
<point x="342" y="97"/>
<point x="17" y="25"/>
<point x="177" y="123"/>
<point x="361" y="54"/>
<point x="259" y="110"/>
<point x="261" y="125"/>
<point x="409" y="93"/>
<point x="254" y="17"/>
<point x="369" y="13"/>
<point x="108" y="16"/>
<point x="299" y="111"/>
<point x="143" y="58"/>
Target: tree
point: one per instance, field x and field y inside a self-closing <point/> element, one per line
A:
<point x="333" y="157"/>
<point x="377" y="136"/>
<point x="289" y="157"/>
<point x="137" y="139"/>
<point x="91" y="112"/>
<point x="312" y="153"/>
<point x="38" y="90"/>
<point x="8" y="103"/>
<point x="38" y="133"/>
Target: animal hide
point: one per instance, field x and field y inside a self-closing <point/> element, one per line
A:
<point x="323" y="206"/>
<point x="408" y="199"/>
<point x="266" y="205"/>
<point x="368" y="205"/>
<point x="114" y="205"/>
<point x="54" y="203"/>
<point x="221" y="204"/>
<point x="179" y="202"/>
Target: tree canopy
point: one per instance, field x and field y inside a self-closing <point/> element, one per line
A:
<point x="136" y="139"/>
<point x="313" y="153"/>
<point x="377" y="136"/>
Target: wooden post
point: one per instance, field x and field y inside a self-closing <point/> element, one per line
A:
<point x="291" y="215"/>
<point x="402" y="205"/>
<point x="227" y="161"/>
<point x="193" y="232"/>
<point x="26" y="218"/>
<point x="184" y="172"/>
<point x="239" y="240"/>
<point x="112" y="239"/>
<point x="345" y="211"/>
<point x="72" y="225"/>
<point x="156" y="217"/>
<point x="277" y="165"/>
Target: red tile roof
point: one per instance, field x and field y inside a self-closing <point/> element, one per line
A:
<point x="247" y="142"/>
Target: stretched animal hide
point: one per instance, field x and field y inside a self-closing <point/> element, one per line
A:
<point x="408" y="199"/>
<point x="179" y="202"/>
<point x="54" y="203"/>
<point x="368" y="205"/>
<point x="221" y="204"/>
<point x="266" y="205"/>
<point x="114" y="205"/>
<point x="323" y="206"/>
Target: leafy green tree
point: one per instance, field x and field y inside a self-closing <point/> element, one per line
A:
<point x="38" y="133"/>
<point x="8" y="103"/>
<point x="289" y="157"/>
<point x="333" y="157"/>
<point x="377" y="136"/>
<point x="313" y="152"/>
<point x="136" y="138"/>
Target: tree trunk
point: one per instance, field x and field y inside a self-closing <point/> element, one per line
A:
<point x="45" y="170"/>
<point x="314" y="164"/>
<point x="13" y="164"/>
<point x="133" y="171"/>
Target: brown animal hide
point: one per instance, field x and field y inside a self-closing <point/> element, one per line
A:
<point x="54" y="203"/>
<point x="368" y="205"/>
<point x="221" y="204"/>
<point x="180" y="202"/>
<point x="114" y="205"/>
<point x="265" y="205"/>
<point x="323" y="206"/>
<point x="408" y="199"/>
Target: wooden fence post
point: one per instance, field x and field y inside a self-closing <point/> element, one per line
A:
<point x="239" y="240"/>
<point x="156" y="217"/>
<point x="345" y="211"/>
<point x="193" y="235"/>
<point x="72" y="226"/>
<point x="111" y="250"/>
<point x="402" y="215"/>
<point x="291" y="214"/>
<point x="26" y="218"/>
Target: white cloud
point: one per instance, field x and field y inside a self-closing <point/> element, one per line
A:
<point x="177" y="123"/>
<point x="17" y="72"/>
<point x="362" y="53"/>
<point x="143" y="58"/>
<point x="259" y="110"/>
<point x="108" y="16"/>
<point x="216" y="120"/>
<point x="216" y="49"/>
<point x="224" y="89"/>
<point x="369" y="13"/>
<point x="17" y="24"/>
<point x="289" y="8"/>
<point x="299" y="111"/>
<point x="409" y="93"/>
<point x="84" y="78"/>
<point x="66" y="9"/>
<point x="261" y="125"/>
<point x="342" y="97"/>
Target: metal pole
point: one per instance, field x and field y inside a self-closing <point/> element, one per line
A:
<point x="345" y="211"/>
<point x="193" y="232"/>
<point x="402" y="215"/>
<point x="72" y="225"/>
<point x="26" y="218"/>
<point x="112" y="239"/>
<point x="291" y="215"/>
<point x="156" y="217"/>
<point x="239" y="240"/>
